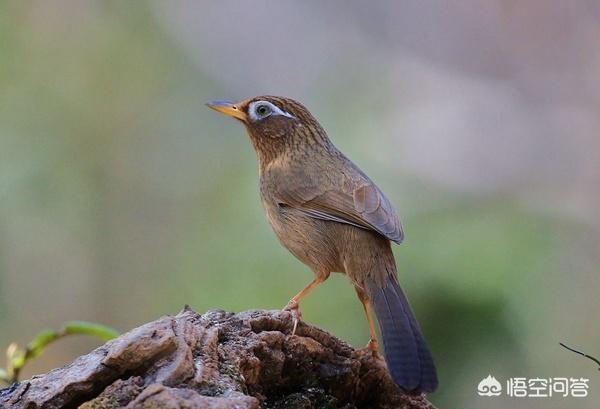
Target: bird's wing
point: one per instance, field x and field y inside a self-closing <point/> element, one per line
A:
<point x="362" y="205"/>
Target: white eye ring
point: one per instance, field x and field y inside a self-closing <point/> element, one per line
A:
<point x="273" y="110"/>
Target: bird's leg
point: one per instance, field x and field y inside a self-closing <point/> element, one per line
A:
<point x="294" y="304"/>
<point x="373" y="344"/>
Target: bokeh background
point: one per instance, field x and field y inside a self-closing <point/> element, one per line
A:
<point x="122" y="197"/>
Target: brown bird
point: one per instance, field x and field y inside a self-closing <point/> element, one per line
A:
<point x="333" y="218"/>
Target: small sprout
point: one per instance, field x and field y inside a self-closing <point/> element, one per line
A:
<point x="101" y="332"/>
<point x="16" y="357"/>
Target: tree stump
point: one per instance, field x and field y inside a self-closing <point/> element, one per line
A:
<point x="218" y="360"/>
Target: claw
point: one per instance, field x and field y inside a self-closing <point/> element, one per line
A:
<point x="372" y="348"/>
<point x="294" y="309"/>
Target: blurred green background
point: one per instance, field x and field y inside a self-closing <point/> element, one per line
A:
<point x="122" y="197"/>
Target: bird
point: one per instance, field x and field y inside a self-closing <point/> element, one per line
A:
<point x="331" y="216"/>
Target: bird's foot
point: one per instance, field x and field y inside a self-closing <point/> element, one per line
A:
<point x="373" y="345"/>
<point x="372" y="348"/>
<point x="293" y="307"/>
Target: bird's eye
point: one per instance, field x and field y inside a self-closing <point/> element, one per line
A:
<point x="263" y="110"/>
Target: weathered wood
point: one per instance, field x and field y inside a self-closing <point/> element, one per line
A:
<point x="218" y="360"/>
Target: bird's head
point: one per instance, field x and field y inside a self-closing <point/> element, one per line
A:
<point x="275" y="124"/>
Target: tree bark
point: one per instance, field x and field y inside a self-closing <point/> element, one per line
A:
<point x="219" y="360"/>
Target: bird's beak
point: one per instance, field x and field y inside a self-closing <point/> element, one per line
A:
<point x="228" y="108"/>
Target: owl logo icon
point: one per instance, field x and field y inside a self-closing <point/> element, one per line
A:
<point x="489" y="387"/>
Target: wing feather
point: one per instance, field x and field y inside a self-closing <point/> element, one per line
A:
<point x="366" y="207"/>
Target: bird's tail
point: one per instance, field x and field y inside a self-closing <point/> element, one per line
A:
<point x="406" y="353"/>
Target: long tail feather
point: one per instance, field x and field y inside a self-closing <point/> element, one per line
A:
<point x="406" y="353"/>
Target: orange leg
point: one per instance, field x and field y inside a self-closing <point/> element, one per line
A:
<point x="294" y="304"/>
<point x="373" y="344"/>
